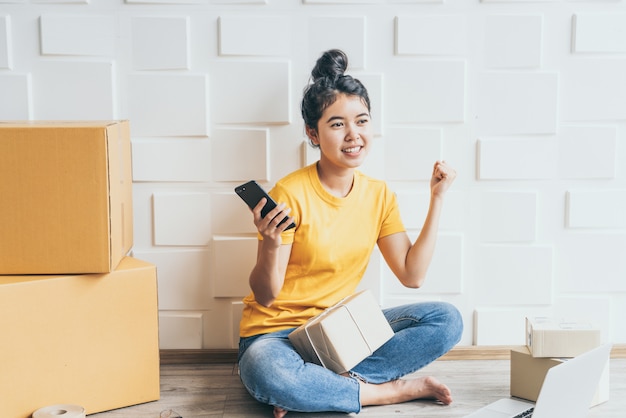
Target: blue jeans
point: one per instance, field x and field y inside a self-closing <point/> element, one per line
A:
<point x="274" y="373"/>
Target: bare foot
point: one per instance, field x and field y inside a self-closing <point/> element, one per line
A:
<point x="405" y="390"/>
<point x="279" y="412"/>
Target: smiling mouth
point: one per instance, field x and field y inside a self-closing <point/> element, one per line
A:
<point x="352" y="150"/>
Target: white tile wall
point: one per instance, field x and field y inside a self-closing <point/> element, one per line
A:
<point x="529" y="105"/>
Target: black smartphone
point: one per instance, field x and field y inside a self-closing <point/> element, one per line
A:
<point x="252" y="193"/>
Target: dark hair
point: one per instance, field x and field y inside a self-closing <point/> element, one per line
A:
<point x="328" y="81"/>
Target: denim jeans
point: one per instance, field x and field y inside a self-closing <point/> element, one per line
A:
<point x="274" y="373"/>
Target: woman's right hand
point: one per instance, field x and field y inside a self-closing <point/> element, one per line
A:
<point x="270" y="227"/>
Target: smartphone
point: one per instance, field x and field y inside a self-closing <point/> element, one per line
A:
<point x="252" y="193"/>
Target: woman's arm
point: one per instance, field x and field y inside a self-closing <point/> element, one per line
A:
<point x="268" y="275"/>
<point x="410" y="262"/>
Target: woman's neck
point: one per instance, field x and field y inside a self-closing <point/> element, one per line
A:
<point x="336" y="182"/>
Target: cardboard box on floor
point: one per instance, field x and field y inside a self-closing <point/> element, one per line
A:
<point x="344" y="334"/>
<point x="88" y="340"/>
<point x="66" y="190"/>
<point x="546" y="337"/>
<point x="528" y="373"/>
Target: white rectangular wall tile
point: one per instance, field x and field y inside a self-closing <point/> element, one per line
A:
<point x="259" y="83"/>
<point x="502" y="326"/>
<point x="183" y="276"/>
<point x="593" y="89"/>
<point x="160" y="43"/>
<point x="180" y="331"/>
<point x="513" y="41"/>
<point x="596" y="209"/>
<point x="73" y="90"/>
<point x="347" y="33"/>
<point x="240" y="155"/>
<point x="6" y="53"/>
<point x="169" y="104"/>
<point x="230" y="214"/>
<point x="431" y="35"/>
<point x="517" y="103"/>
<point x="77" y="34"/>
<point x="514" y="275"/>
<point x="182" y="218"/>
<point x="233" y="260"/>
<point x="508" y="217"/>
<point x="587" y="152"/>
<point x="411" y="152"/>
<point x="414" y="204"/>
<point x="236" y="310"/>
<point x="592" y="262"/>
<point x="254" y="35"/>
<point x="15" y="101"/>
<point x="599" y="32"/>
<point x="170" y="160"/>
<point x="412" y="100"/>
<point x="520" y="159"/>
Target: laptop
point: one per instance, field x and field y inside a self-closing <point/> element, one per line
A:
<point x="567" y="390"/>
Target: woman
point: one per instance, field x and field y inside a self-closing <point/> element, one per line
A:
<point x="340" y="215"/>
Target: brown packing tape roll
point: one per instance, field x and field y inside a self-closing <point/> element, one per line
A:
<point x="60" y="411"/>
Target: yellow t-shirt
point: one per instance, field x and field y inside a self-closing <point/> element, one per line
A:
<point x="331" y="247"/>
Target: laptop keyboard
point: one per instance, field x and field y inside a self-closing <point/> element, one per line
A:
<point x="526" y="414"/>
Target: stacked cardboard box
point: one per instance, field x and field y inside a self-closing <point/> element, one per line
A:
<point x="78" y="316"/>
<point x="549" y="343"/>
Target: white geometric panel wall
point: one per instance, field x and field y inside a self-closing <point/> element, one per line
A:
<point x="517" y="103"/>
<point x="596" y="209"/>
<point x="591" y="261"/>
<point x="160" y="43"/>
<point x="16" y="102"/>
<point x="426" y="91"/>
<point x="5" y="42"/>
<point x="78" y="35"/>
<point x="599" y="32"/>
<point x="422" y="145"/>
<point x="593" y="89"/>
<point x="241" y="91"/>
<point x="431" y="35"/>
<point x="513" y="41"/>
<point x="587" y="152"/>
<point x="182" y="219"/>
<point x="74" y="90"/>
<point x="254" y="35"/>
<point x="518" y="275"/>
<point x="527" y="103"/>
<point x="233" y="260"/>
<point x="520" y="159"/>
<point x="508" y="217"/>
<point x="171" y="160"/>
<point x="240" y="155"/>
<point x="168" y="104"/>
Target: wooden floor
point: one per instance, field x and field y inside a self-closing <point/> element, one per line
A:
<point x="214" y="390"/>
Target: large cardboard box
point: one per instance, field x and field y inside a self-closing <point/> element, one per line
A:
<point x="88" y="340"/>
<point x="547" y="337"/>
<point x="66" y="192"/>
<point x="344" y="334"/>
<point x="528" y="373"/>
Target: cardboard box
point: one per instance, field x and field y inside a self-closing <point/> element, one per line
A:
<point x="344" y="334"/>
<point x="528" y="373"/>
<point x="88" y="340"/>
<point x="66" y="190"/>
<point x="546" y="337"/>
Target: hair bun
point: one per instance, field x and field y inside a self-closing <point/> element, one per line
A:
<point x="332" y="64"/>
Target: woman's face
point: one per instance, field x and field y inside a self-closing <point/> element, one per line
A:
<point x="343" y="132"/>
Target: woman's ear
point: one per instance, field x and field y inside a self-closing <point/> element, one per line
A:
<point x="312" y="134"/>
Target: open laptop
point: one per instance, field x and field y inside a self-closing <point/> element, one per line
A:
<point x="567" y="390"/>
